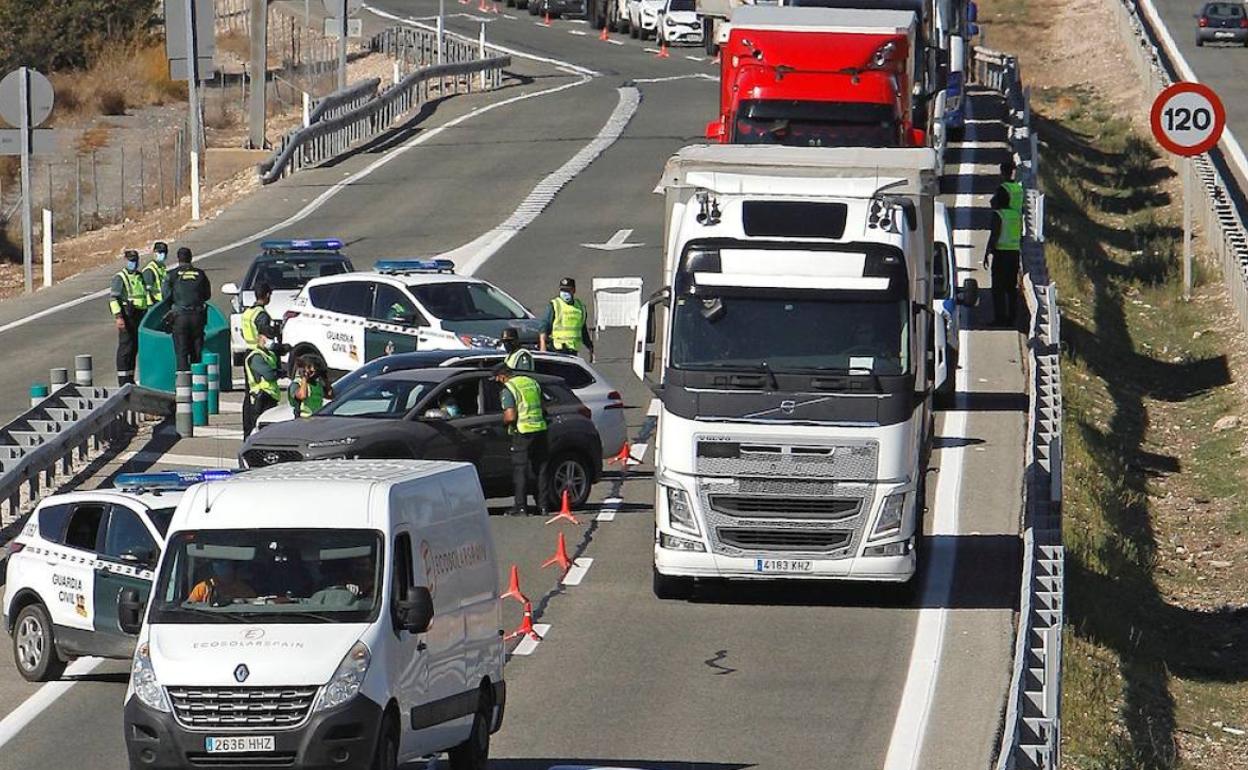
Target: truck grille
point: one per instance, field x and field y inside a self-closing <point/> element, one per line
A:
<point x="808" y="540"/>
<point x="274" y="707"/>
<point x="845" y="461"/>
<point x="825" y="508"/>
<point x="259" y="458"/>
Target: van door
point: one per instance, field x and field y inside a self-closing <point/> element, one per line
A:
<point x="410" y="665"/>
<point x="127" y="557"/>
<point x="440" y="553"/>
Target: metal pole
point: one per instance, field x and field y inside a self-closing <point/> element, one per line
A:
<point x="192" y="80"/>
<point x="441" y="27"/>
<point x="28" y="249"/>
<point x="259" y="69"/>
<point x="342" y="46"/>
<point x="1187" y="228"/>
<point x="47" y="248"/>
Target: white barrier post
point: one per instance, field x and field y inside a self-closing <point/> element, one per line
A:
<point x="47" y="248"/>
<point x="481" y="52"/>
<point x="307" y="109"/>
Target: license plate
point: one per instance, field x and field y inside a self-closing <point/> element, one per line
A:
<point x="1224" y="34"/>
<point x="238" y="744"/>
<point x="782" y="565"/>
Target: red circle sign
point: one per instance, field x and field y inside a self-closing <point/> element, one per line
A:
<point x="1188" y="118"/>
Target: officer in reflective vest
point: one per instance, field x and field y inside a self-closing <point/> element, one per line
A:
<point x="565" y="327"/>
<point x="525" y="418"/>
<point x="263" y="392"/>
<point x="155" y="270"/>
<point x="188" y="291"/>
<point x="256" y="318"/>
<point x="128" y="301"/>
<point x="518" y="359"/>
<point x="309" y="388"/>
<point x="1004" y="245"/>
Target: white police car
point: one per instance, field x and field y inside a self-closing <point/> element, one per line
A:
<point x="72" y="560"/>
<point x="405" y="305"/>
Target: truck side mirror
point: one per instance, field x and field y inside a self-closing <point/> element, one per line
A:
<point x="415" y="613"/>
<point x="130" y="611"/>
<point x="968" y="295"/>
<point x="918" y="137"/>
<point x="716" y="130"/>
<point x="229" y="289"/>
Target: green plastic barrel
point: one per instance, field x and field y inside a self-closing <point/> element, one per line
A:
<point x="156" y="362"/>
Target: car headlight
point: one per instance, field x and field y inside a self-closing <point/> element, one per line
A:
<point x="891" y="512"/>
<point x="143" y="680"/>
<point x="668" y="21"/>
<point x="333" y="442"/>
<point x="479" y="340"/>
<point x="346" y="681"/>
<point x="680" y="511"/>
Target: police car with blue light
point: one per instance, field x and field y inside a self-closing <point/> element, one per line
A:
<point x="404" y="305"/>
<point x="74" y="557"/>
<point x="286" y="266"/>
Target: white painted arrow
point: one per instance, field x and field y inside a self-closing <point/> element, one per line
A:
<point x="615" y="242"/>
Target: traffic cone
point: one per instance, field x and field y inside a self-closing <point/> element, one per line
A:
<point x="662" y="54"/>
<point x="561" y="555"/>
<point x="494" y="8"/>
<point x="513" y="587"/>
<point x="482" y="7"/>
<point x="565" y="511"/>
<point x="547" y="20"/>
<point x="624" y="456"/>
<point x="526" y="626"/>
<point x="603" y="34"/>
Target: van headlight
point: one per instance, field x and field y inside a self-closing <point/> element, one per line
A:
<point x="680" y="511"/>
<point x="346" y="681"/>
<point x="143" y="680"/>
<point x="891" y="513"/>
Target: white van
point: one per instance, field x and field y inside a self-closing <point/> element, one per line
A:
<point x="323" y="614"/>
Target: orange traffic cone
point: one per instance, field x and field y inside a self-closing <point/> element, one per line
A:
<point x="495" y="9"/>
<point x="526" y="627"/>
<point x="513" y="587"/>
<point x="547" y="19"/>
<point x="624" y="456"/>
<point x="662" y="54"/>
<point x="565" y="511"/>
<point x="561" y="555"/>
<point x="482" y="7"/>
<point x="603" y="34"/>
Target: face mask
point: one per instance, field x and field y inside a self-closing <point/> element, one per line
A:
<point x="566" y="296"/>
<point x="161" y="257"/>
<point x="451" y="410"/>
<point x="132" y="265"/>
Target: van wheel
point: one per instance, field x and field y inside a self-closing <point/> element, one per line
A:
<point x="569" y="471"/>
<point x="672" y="587"/>
<point x="947" y="391"/>
<point x="387" y="753"/>
<point x="34" y="648"/>
<point x="474" y="753"/>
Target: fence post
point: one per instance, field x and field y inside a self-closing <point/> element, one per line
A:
<point x="58" y="378"/>
<point x="212" y="363"/>
<point x="38" y="392"/>
<point x="83" y="374"/>
<point x="481" y="53"/>
<point x="184" y="422"/>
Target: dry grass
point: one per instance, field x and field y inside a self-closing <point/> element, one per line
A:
<point x="120" y="78"/>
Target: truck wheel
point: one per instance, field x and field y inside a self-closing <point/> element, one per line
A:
<point x="34" y="648"/>
<point x="945" y="393"/>
<point x="386" y="756"/>
<point x="569" y="471"/>
<point x="708" y="36"/>
<point x="474" y="753"/>
<point x="672" y="587"/>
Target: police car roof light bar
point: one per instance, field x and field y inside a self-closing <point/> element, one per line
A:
<point x="171" y="480"/>
<point x="303" y="244"/>
<point x="415" y="266"/>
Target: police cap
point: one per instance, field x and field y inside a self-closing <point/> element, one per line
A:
<point x="509" y="334"/>
<point x="567" y="283"/>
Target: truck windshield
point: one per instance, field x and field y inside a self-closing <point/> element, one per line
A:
<point x="790" y="334"/>
<point x="269" y="576"/>
<point x="796" y="123"/>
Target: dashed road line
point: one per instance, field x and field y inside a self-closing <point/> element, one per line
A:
<point x="576" y="573"/>
<point x="655" y="407"/>
<point x="17" y="719"/>
<point x="580" y="32"/>
<point x="614" y="42"/>
<point x="528" y="645"/>
<point x="611" y="506"/>
<point x="691" y="57"/>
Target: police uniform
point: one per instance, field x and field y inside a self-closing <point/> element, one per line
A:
<point x="1008" y="206"/>
<point x="263" y="392"/>
<point x="566" y="322"/>
<point x="518" y="359"/>
<point x="128" y="301"/>
<point x="188" y="290"/>
<point x="528" y="439"/>
<point x="306" y="407"/>
<point x="155" y="272"/>
<point x="255" y="321"/>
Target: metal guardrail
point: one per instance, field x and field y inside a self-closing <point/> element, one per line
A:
<point x="44" y="441"/>
<point x="1031" y="738"/>
<point x="341" y="102"/>
<point x="418" y="47"/>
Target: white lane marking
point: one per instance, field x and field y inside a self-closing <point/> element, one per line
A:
<point x="650" y="50"/>
<point x="325" y="197"/>
<point x="611" y="506"/>
<point x="181" y="461"/>
<point x="45" y="696"/>
<point x="576" y="573"/>
<point x="670" y="78"/>
<point x="540" y="24"/>
<point x="208" y="431"/>
<point x="528" y="645"/>
<point x="509" y="16"/>
<point x="616" y="242"/>
<point x="655" y="407"/>
<point x="691" y="57"/>
<point x="471" y="256"/>
<point x="614" y="42"/>
<point x="906" y="745"/>
<point x="580" y="32"/>
<point x="606" y="515"/>
<point x="231" y="407"/>
<point x="637" y="453"/>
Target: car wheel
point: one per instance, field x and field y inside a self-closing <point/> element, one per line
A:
<point x="386" y="755"/>
<point x="522" y="4"/>
<point x="1199" y="42"/>
<point x="533" y="7"/>
<point x="34" y="648"/>
<point x="632" y="30"/>
<point x="672" y="587"/>
<point x="474" y="753"/>
<point x="945" y="393"/>
<point x="569" y="471"/>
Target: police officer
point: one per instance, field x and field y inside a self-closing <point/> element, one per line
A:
<point x="518" y="359"/>
<point x="188" y="289"/>
<point x="309" y="388"/>
<point x="565" y="327"/>
<point x="155" y="270"/>
<point x="261" y="370"/>
<point x="256" y="318"/>
<point x="526" y="422"/>
<point x="1004" y="245"/>
<point x="128" y="301"/>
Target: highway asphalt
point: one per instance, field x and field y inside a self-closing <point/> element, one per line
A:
<point x="771" y="677"/>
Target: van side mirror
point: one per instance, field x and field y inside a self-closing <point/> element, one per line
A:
<point x="415" y="613"/>
<point x="130" y="611"/>
<point x="230" y="289"/>
<point x="968" y="295"/>
<point x="143" y="557"/>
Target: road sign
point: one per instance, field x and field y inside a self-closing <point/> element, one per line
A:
<point x="355" y="28"/>
<point x="1188" y="118"/>
<point x="177" y="41"/>
<point x="43" y="141"/>
<point x="334" y="7"/>
<point x="11" y="98"/>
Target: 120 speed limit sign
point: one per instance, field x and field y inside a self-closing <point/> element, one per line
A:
<point x="1188" y="118"/>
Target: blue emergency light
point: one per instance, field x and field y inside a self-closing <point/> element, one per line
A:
<point x="169" y="480"/>
<point x="303" y="244"/>
<point x="415" y="266"/>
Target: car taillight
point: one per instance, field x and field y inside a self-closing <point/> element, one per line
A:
<point x="15" y="546"/>
<point x="617" y="401"/>
<point x="1243" y="23"/>
<point x="289" y="314"/>
<point x="1204" y="21"/>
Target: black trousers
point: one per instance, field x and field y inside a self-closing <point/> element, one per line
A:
<point x="188" y="337"/>
<point x="528" y="457"/>
<point x="254" y="405"/>
<point x="1005" y="266"/>
<point x="128" y="345"/>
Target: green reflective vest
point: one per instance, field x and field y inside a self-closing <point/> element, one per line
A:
<point x="136" y="293"/>
<point x="529" y="415"/>
<point x="154" y="275"/>
<point x="519" y="360"/>
<point x="257" y="384"/>
<point x="568" y="320"/>
<point x="251" y="333"/>
<point x="314" y="401"/>
<point x="1011" y="236"/>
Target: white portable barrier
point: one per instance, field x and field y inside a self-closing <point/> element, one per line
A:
<point x="616" y="302"/>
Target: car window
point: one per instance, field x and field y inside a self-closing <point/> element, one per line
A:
<point x="403" y="578"/>
<point x="354" y="298"/>
<point x="940" y="272"/>
<point x="379" y="398"/>
<point x="292" y="274"/>
<point x="575" y="376"/>
<point x="468" y="302"/>
<point x="681" y="5"/>
<point x="391" y="304"/>
<point x="126" y="535"/>
<point x="160" y="518"/>
<point x="463" y="399"/>
<point x="52" y="520"/>
<point x="1224" y="10"/>
<point x="84" y="526"/>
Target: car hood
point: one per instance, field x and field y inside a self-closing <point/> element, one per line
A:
<point x="300" y="432"/>
<point x="207" y="655"/>
<point x="683" y="17"/>
<point x="528" y="328"/>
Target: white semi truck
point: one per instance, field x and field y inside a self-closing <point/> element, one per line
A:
<point x="794" y="363"/>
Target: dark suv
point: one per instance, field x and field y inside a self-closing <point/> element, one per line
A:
<point x="1222" y="23"/>
<point x="441" y="413"/>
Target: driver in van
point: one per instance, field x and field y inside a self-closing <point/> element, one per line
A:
<point x="222" y="587"/>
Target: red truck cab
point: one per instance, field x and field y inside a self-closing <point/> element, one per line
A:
<point x="818" y="77"/>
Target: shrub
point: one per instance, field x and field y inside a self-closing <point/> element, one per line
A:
<point x="58" y="34"/>
<point x="112" y="101"/>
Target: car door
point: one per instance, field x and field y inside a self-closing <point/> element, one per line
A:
<point x="451" y="437"/>
<point x="348" y="305"/>
<point x="484" y="427"/>
<point x="71" y="599"/>
<point x="394" y="325"/>
<point x="128" y="554"/>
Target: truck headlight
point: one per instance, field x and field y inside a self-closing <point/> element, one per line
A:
<point x="891" y="513"/>
<point x="346" y="681"/>
<point x="680" y="511"/>
<point x="673" y="543"/>
<point x="143" y="680"/>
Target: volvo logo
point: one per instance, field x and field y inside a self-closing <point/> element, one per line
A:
<point x="252" y="634"/>
<point x="241" y="672"/>
<point x="788" y="406"/>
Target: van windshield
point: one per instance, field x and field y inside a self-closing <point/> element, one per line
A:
<point x="269" y="576"/>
